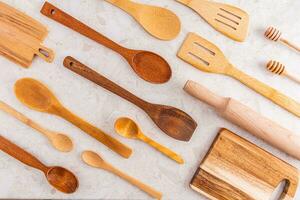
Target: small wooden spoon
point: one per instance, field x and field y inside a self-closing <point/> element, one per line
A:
<point x="59" y="141"/>
<point x="159" y="22"/>
<point x="128" y="128"/>
<point x="36" y="96"/>
<point x="94" y="160"/>
<point x="60" y="178"/>
<point x="149" y="66"/>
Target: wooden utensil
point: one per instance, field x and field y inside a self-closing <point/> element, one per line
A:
<point x="60" y="178"/>
<point x="207" y="57"/>
<point x="149" y="66"/>
<point x="235" y="169"/>
<point x="228" y="20"/>
<point x="159" y="22"/>
<point x="36" y="96"/>
<point x="278" y="68"/>
<point x="248" y="119"/>
<point x="128" y="128"/>
<point x="94" y="160"/>
<point x="59" y="141"/>
<point x="21" y="37"/>
<point x="172" y="121"/>
<point x="276" y="36"/>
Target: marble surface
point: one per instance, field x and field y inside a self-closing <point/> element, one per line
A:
<point x="101" y="108"/>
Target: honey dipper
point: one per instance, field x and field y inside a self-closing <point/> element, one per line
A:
<point x="275" y="35"/>
<point x="278" y="68"/>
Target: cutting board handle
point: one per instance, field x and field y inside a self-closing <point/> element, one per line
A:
<point x="45" y="53"/>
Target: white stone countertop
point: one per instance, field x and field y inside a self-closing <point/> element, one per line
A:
<point x="101" y="107"/>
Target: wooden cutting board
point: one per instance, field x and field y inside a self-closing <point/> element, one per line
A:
<point x="235" y="169"/>
<point x="21" y="37"/>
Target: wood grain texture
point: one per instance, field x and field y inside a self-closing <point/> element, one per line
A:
<point x="235" y="169"/>
<point x="159" y="22"/>
<point x="147" y="65"/>
<point x="228" y="20"/>
<point x="36" y="96"/>
<point x="246" y="118"/>
<point x="207" y="57"/>
<point x="21" y="37"/>
<point x="172" y="121"/>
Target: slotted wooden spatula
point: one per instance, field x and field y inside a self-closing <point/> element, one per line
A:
<point x="228" y="20"/>
<point x="207" y="57"/>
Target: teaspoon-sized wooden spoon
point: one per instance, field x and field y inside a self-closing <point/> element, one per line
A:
<point x="59" y="141"/>
<point x="159" y="22"/>
<point x="172" y="121"/>
<point x="36" y="96"/>
<point x="94" y="160"/>
<point x="60" y="178"/>
<point x="147" y="65"/>
<point x="128" y="128"/>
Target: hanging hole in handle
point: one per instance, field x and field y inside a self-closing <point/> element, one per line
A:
<point x="71" y="63"/>
<point x="280" y="190"/>
<point x="52" y="11"/>
<point x="45" y="53"/>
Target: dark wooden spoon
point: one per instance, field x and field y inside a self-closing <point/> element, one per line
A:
<point x="60" y="178"/>
<point x="149" y="66"/>
<point x="172" y="121"/>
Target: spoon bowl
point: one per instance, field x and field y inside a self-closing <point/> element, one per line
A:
<point x="127" y="128"/>
<point x="62" y="179"/>
<point x="93" y="159"/>
<point x="61" y="142"/>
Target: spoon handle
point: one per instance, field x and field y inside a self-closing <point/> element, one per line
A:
<point x="21" y="155"/>
<point x="126" y="5"/>
<point x="149" y="190"/>
<point x="79" y="68"/>
<point x="67" y="20"/>
<point x="162" y="149"/>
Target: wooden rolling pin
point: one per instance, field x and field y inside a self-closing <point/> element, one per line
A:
<point x="248" y="119"/>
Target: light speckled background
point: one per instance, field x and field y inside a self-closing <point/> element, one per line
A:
<point x="101" y="108"/>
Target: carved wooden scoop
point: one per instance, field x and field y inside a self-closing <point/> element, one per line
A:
<point x="60" y="178"/>
<point x="172" y="121"/>
<point x="159" y="22"/>
<point x="147" y="65"/>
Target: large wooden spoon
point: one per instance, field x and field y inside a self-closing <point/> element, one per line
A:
<point x="94" y="160"/>
<point x="172" y="121"/>
<point x="128" y="128"/>
<point x="159" y="22"/>
<point x="149" y="66"/>
<point x="59" y="141"/>
<point x="38" y="97"/>
<point x="60" y="178"/>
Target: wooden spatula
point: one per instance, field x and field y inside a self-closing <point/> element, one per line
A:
<point x="228" y="20"/>
<point x="207" y="57"/>
<point x="21" y="37"/>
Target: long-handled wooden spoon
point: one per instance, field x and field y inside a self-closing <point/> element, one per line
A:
<point x="94" y="160"/>
<point x="172" y="121"/>
<point x="149" y="66"/>
<point x="36" y="96"/>
<point x="60" y="178"/>
<point x="128" y="128"/>
<point x="159" y="22"/>
<point x="59" y="141"/>
<point x="278" y="68"/>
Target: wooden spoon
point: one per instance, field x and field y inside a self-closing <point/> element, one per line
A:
<point x="128" y="128"/>
<point x="38" y="97"/>
<point x="172" y="121"/>
<point x="159" y="22"/>
<point x="94" y="160"/>
<point x="59" y="141"/>
<point x="60" y="178"/>
<point x="149" y="66"/>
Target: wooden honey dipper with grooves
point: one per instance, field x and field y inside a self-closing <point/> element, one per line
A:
<point x="275" y="35"/>
<point x="278" y="68"/>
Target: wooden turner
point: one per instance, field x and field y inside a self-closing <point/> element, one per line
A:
<point x="21" y="37"/>
<point x="207" y="57"/>
<point x="228" y="20"/>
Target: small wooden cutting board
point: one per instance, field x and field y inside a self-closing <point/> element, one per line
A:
<point x="235" y="169"/>
<point x="21" y="37"/>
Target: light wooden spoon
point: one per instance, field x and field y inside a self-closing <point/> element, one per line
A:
<point x="159" y="22"/>
<point x="94" y="160"/>
<point x="128" y="128"/>
<point x="59" y="141"/>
